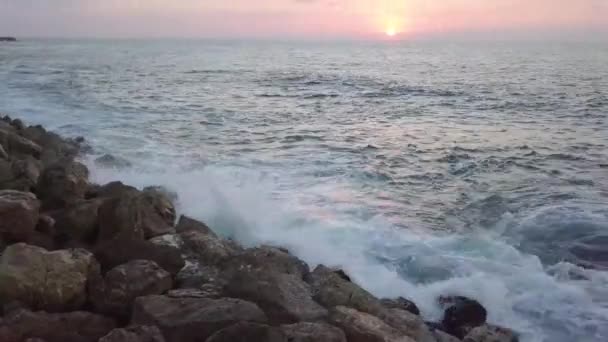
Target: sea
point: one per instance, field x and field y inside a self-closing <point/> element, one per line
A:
<point x="421" y="168"/>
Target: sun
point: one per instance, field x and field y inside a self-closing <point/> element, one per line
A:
<point x="391" y="32"/>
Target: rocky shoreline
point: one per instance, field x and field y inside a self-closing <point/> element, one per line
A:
<point x="82" y="262"/>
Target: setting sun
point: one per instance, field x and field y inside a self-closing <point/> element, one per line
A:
<point x="391" y="32"/>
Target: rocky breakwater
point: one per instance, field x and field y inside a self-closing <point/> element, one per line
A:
<point x="83" y="262"/>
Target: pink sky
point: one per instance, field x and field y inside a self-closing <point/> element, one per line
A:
<point x="304" y="18"/>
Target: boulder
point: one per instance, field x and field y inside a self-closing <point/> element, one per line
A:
<point x="491" y="333"/>
<point x="269" y="259"/>
<point x="115" y="293"/>
<point x="407" y="324"/>
<point x="3" y="154"/>
<point x="78" y="222"/>
<point x="330" y="289"/>
<point x="51" y="281"/>
<point x="193" y="319"/>
<point x="441" y="336"/>
<point x="285" y="298"/>
<point x="26" y="173"/>
<point x="461" y="315"/>
<point x="206" y="291"/>
<point x="19" y="213"/>
<point x="201" y="244"/>
<point x="313" y="332"/>
<point x="15" y="144"/>
<point x="248" y="332"/>
<point x="401" y="303"/>
<point x="55" y="147"/>
<point x="110" y="161"/>
<point x="137" y="333"/>
<point x="117" y="252"/>
<point x="62" y="184"/>
<point x="76" y="326"/>
<point x="362" y="327"/>
<point x="110" y="190"/>
<point x="136" y="215"/>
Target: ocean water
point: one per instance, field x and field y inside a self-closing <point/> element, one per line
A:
<point x="477" y="169"/>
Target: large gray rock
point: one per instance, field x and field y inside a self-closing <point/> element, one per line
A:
<point x="19" y="213"/>
<point x="20" y="174"/>
<point x="400" y="303"/>
<point x="78" y="222"/>
<point x="313" y="332"/>
<point x="362" y="327"/>
<point x="268" y="259"/>
<point x="116" y="252"/>
<point x="62" y="183"/>
<point x="461" y="315"/>
<point x="15" y="144"/>
<point x="137" y="333"/>
<point x="201" y="244"/>
<point x="51" y="281"/>
<point x="408" y="324"/>
<point x="248" y="332"/>
<point x="491" y="333"/>
<point x="285" y="298"/>
<point x="115" y="293"/>
<point x="3" y="154"/>
<point x="330" y="288"/>
<point x="59" y="327"/>
<point x="55" y="147"/>
<point x="193" y="319"/>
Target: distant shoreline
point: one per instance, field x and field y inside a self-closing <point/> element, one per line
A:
<point x="8" y="39"/>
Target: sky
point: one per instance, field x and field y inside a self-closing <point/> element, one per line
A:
<point x="324" y="19"/>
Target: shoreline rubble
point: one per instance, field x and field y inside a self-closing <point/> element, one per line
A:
<point x="83" y="262"/>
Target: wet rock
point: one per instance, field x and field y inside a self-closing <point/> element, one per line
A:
<point x="78" y="222"/>
<point x="202" y="244"/>
<point x="51" y="281"/>
<point x="194" y="274"/>
<point x="110" y="190"/>
<point x="136" y="215"/>
<point x="362" y="327"/>
<point x="407" y="324"/>
<point x="19" y="213"/>
<point x="137" y="333"/>
<point x="491" y="333"/>
<point x="115" y="292"/>
<point x="110" y="161"/>
<point x="205" y="291"/>
<point x="461" y="315"/>
<point x="15" y="144"/>
<point x="193" y="319"/>
<point x="27" y="171"/>
<point x="330" y="290"/>
<point x="441" y="336"/>
<point x="117" y="252"/>
<point x="401" y="303"/>
<point x="55" y="147"/>
<point x="269" y="259"/>
<point x="248" y="332"/>
<point x="285" y="298"/>
<point x="313" y="332"/>
<point x="76" y="326"/>
<point x="3" y="154"/>
<point x="62" y="184"/>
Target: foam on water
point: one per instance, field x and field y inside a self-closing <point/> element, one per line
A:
<point x="554" y="304"/>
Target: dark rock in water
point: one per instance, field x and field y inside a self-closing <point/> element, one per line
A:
<point x="248" y="332"/>
<point x="313" y="332"/>
<point x="116" y="252"/>
<point x="401" y="303"/>
<point x="267" y="258"/>
<point x="76" y="326"/>
<point x="51" y="281"/>
<point x="137" y="333"/>
<point x="186" y="224"/>
<point x="110" y="161"/>
<point x="79" y="222"/>
<point x="55" y="147"/>
<point x="19" y="212"/>
<point x="193" y="319"/>
<point x="330" y="290"/>
<point x="461" y="315"/>
<point x="115" y="292"/>
<point x="591" y="251"/>
<point x="202" y="244"/>
<point x="8" y="39"/>
<point x="491" y="333"/>
<point x="362" y="327"/>
<point x="285" y="298"/>
<point x="110" y="190"/>
<point x="62" y="184"/>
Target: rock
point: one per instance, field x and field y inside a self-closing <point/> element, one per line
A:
<point x="115" y="293"/>
<point x="202" y="244"/>
<point x="137" y="333"/>
<point x="15" y="144"/>
<point x="313" y="332"/>
<point x="62" y="184"/>
<point x="110" y="161"/>
<point x="110" y="190"/>
<point x="19" y="213"/>
<point x="267" y="258"/>
<point x="461" y="315"/>
<point x="117" y="252"/>
<point x="362" y="327"/>
<point x="407" y="324"/>
<point x="51" y="281"/>
<point x="55" y="147"/>
<point x="491" y="333"/>
<point x="330" y="290"/>
<point x="441" y="336"/>
<point x="196" y="275"/>
<point x="206" y="291"/>
<point x="76" y="326"/>
<point x="401" y="303"/>
<point x="3" y="154"/>
<point x="186" y="224"/>
<point x="248" y="332"/>
<point x="78" y="222"/>
<point x="285" y="298"/>
<point x="193" y="319"/>
<point x="136" y="215"/>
